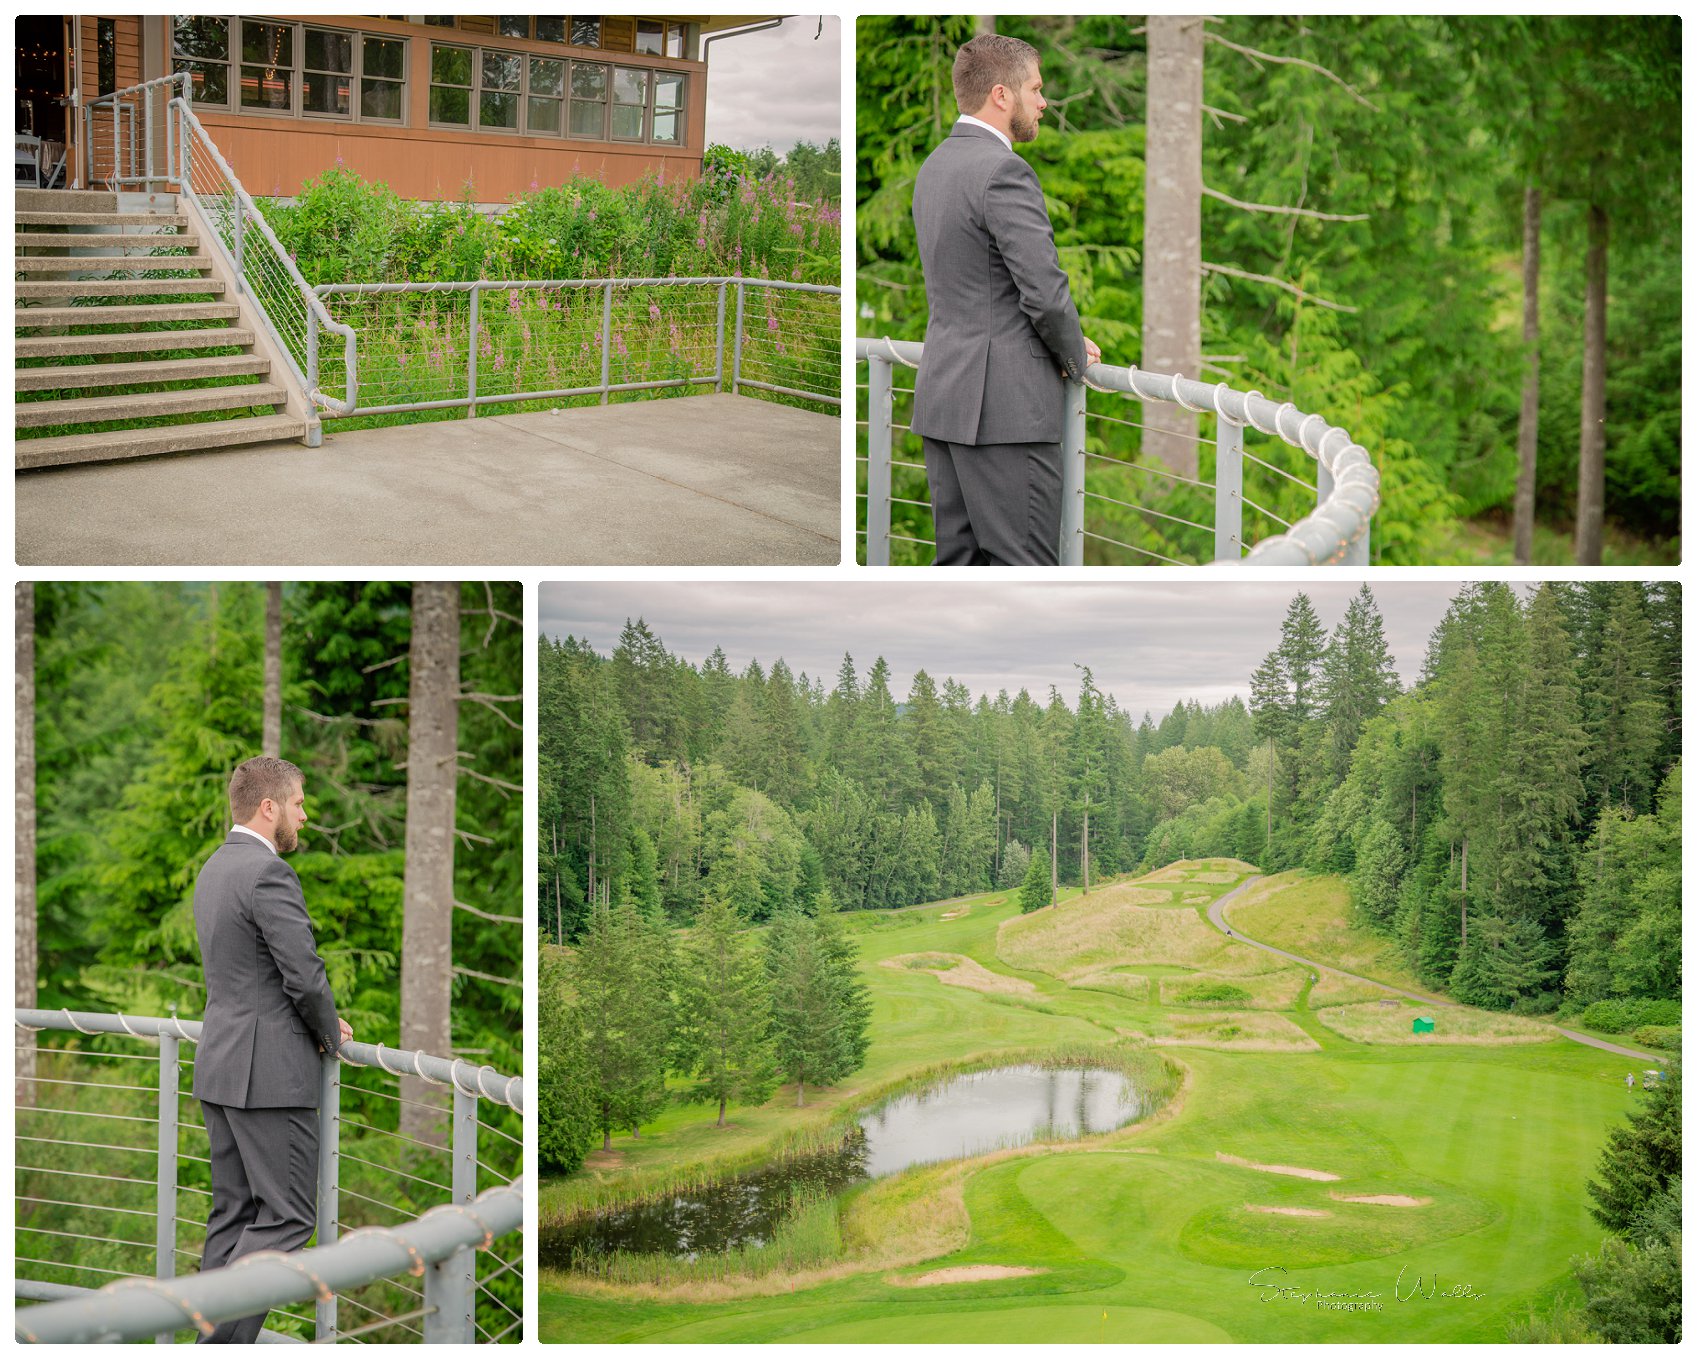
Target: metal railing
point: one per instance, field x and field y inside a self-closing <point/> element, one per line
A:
<point x="264" y="270"/>
<point x="95" y="1143"/>
<point x="1336" y="531"/>
<point x="447" y="346"/>
<point x="129" y="137"/>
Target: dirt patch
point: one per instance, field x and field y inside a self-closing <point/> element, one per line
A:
<point x="604" y="1160"/>
<point x="956" y="914"/>
<point x="967" y="1274"/>
<point x="1287" y="1212"/>
<point x="956" y="969"/>
<point x="1388" y="1200"/>
<point x="1297" y="1171"/>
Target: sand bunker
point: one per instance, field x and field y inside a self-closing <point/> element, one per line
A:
<point x="1388" y="1200"/>
<point x="956" y="969"/>
<point x="1298" y="1171"/>
<point x="970" y="1274"/>
<point x="1287" y="1212"/>
<point x="957" y="913"/>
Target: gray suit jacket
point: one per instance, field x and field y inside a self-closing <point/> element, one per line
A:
<point x="1002" y="323"/>
<point x="268" y="1004"/>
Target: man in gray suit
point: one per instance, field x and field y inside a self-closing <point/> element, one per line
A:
<point x="1003" y="335"/>
<point x="269" y="1014"/>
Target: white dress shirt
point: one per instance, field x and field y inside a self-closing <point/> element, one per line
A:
<point x="263" y="839"/>
<point x="979" y="122"/>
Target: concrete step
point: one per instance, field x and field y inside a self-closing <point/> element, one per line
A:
<point x="69" y="449"/>
<point x="99" y="219"/>
<point x="115" y="287"/>
<point x="104" y="240"/>
<point x="136" y="406"/>
<point x="133" y="342"/>
<point x="65" y="200"/>
<point x="34" y="318"/>
<point x="93" y="264"/>
<point x="87" y="376"/>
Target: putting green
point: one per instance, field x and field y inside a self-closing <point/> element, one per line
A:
<point x="1150" y="1226"/>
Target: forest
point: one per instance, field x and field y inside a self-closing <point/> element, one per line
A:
<point x="147" y="695"/>
<point x="1512" y="819"/>
<point x="1458" y="238"/>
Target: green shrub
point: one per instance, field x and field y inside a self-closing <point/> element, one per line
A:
<point x="1213" y="993"/>
<point x="1619" y="1016"/>
<point x="1657" y="1036"/>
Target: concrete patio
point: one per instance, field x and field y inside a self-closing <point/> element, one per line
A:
<point x="711" y="480"/>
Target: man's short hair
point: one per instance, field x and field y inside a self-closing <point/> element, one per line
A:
<point x="989" y="60"/>
<point x="264" y="776"/>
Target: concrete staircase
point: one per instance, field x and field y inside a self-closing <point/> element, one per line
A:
<point x="116" y="335"/>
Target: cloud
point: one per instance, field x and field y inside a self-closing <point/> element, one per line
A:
<point x="1150" y="645"/>
<point x="776" y="87"/>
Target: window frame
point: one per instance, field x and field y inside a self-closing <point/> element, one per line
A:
<point x="567" y="100"/>
<point x="298" y="71"/>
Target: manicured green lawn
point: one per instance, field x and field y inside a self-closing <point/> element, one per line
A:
<point x="1146" y="1235"/>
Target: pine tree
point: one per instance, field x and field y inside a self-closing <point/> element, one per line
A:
<point x="724" y="1016"/>
<point x="1034" y="891"/>
<point x="1626" y="718"/>
<point x="623" y="1021"/>
<point x="819" y="1005"/>
<point x="565" y="1112"/>
<point x="1640" y="1160"/>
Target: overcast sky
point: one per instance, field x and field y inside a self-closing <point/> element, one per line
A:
<point x="1148" y="645"/>
<point x="776" y="87"/>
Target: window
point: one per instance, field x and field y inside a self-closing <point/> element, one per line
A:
<point x="630" y="103"/>
<point x="657" y="38"/>
<point x="296" y="69"/>
<point x="106" y="44"/>
<point x="586" y="30"/>
<point x="490" y="90"/>
<point x="201" y="46"/>
<point x="668" y="108"/>
<point x="439" y="20"/>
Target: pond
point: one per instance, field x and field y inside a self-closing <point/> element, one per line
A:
<point x="964" y="1116"/>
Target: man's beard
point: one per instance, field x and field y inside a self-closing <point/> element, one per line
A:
<point x="1022" y="123"/>
<point x="288" y="838"/>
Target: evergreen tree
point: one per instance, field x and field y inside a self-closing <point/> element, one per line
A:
<point x="565" y="1113"/>
<point x="1640" y="1160"/>
<point x="1035" y="890"/>
<point x="724" y="1018"/>
<point x="623" y="1032"/>
<point x="1625" y="714"/>
<point x="819" y="1005"/>
<point x="1016" y="863"/>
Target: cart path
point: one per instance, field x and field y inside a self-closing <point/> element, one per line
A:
<point x="1217" y="917"/>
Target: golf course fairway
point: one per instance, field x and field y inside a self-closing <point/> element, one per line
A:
<point x="1225" y="1215"/>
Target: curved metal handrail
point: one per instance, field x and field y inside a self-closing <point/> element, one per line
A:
<point x="271" y="1279"/>
<point x="483" y="1081"/>
<point x="1349" y="480"/>
<point x="435" y="1244"/>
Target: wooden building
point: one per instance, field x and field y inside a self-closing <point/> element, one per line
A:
<point x="435" y="106"/>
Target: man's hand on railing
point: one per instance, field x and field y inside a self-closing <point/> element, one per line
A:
<point x="1092" y="354"/>
<point x="347" y="1029"/>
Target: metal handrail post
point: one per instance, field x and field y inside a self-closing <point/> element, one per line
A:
<point x="165" y="1192"/>
<point x="1324" y="484"/>
<point x="329" y="1167"/>
<point x="719" y="364"/>
<point x="241" y="249"/>
<point x="1228" y="492"/>
<point x="606" y="341"/>
<point x="880" y="415"/>
<point x="132" y="164"/>
<point x="450" y="1283"/>
<point x="736" y="351"/>
<point x="1071" y="548"/>
<point x="117" y="154"/>
<point x="147" y="135"/>
<point x="1359" y="552"/>
<point x="471" y="354"/>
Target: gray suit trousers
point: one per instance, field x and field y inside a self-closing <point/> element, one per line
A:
<point x="264" y="1192"/>
<point x="995" y="504"/>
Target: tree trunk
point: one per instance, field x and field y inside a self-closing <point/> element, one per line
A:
<point x="1464" y="891"/>
<point x="271" y="734"/>
<point x="1172" y="231"/>
<point x="1526" y="439"/>
<point x="986" y="24"/>
<point x="721" y="1111"/>
<point x="1588" y="535"/>
<point x="427" y="949"/>
<point x="23" y="892"/>
<point x="1054" y="857"/>
<point x="1084" y="849"/>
